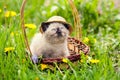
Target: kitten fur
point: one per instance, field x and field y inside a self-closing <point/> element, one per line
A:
<point x="52" y="43"/>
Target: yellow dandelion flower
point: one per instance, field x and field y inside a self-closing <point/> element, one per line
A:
<point x="86" y="40"/>
<point x="95" y="40"/>
<point x="12" y="33"/>
<point x="43" y="66"/>
<point x="31" y="26"/>
<point x="81" y="61"/>
<point x="10" y="14"/>
<point x="65" y="60"/>
<point x="0" y="10"/>
<point x="37" y="78"/>
<point x="94" y="61"/>
<point x="8" y="49"/>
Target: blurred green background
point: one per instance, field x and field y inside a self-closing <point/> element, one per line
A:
<point x="100" y="20"/>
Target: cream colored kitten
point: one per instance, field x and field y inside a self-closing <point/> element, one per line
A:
<point x="52" y="43"/>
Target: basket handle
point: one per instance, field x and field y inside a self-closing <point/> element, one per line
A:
<point x="23" y="26"/>
<point x="76" y="17"/>
<point x="75" y="14"/>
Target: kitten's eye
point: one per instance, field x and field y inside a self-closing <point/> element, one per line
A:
<point x="53" y="29"/>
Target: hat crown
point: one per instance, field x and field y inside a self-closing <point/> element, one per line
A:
<point x="56" y="18"/>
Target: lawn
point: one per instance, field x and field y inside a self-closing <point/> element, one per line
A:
<point x="100" y="31"/>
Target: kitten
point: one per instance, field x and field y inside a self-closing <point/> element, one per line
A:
<point x="52" y="42"/>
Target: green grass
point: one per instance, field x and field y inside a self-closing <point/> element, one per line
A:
<point x="104" y="28"/>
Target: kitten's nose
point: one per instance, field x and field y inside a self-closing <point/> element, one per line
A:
<point x="58" y="32"/>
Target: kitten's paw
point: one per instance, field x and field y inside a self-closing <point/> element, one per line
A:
<point x="34" y="59"/>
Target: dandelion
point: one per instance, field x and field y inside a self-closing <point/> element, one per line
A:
<point x="81" y="61"/>
<point x="0" y="10"/>
<point x="10" y="14"/>
<point x="95" y="40"/>
<point x="12" y="33"/>
<point x="94" y="61"/>
<point x="31" y="26"/>
<point x="65" y="60"/>
<point x="8" y="49"/>
<point x="37" y="78"/>
<point x="86" y="40"/>
<point x="43" y="66"/>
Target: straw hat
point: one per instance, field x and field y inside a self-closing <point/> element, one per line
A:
<point x="57" y="19"/>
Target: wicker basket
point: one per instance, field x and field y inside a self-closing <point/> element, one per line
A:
<point x="75" y="46"/>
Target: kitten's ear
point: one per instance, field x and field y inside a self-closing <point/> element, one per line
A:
<point x="44" y="27"/>
<point x="69" y="27"/>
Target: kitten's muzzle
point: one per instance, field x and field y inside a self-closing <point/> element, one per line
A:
<point x="59" y="33"/>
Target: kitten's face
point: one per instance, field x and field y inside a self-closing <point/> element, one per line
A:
<point x="56" y="32"/>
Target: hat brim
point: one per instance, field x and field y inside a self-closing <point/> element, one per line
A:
<point x="69" y="26"/>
